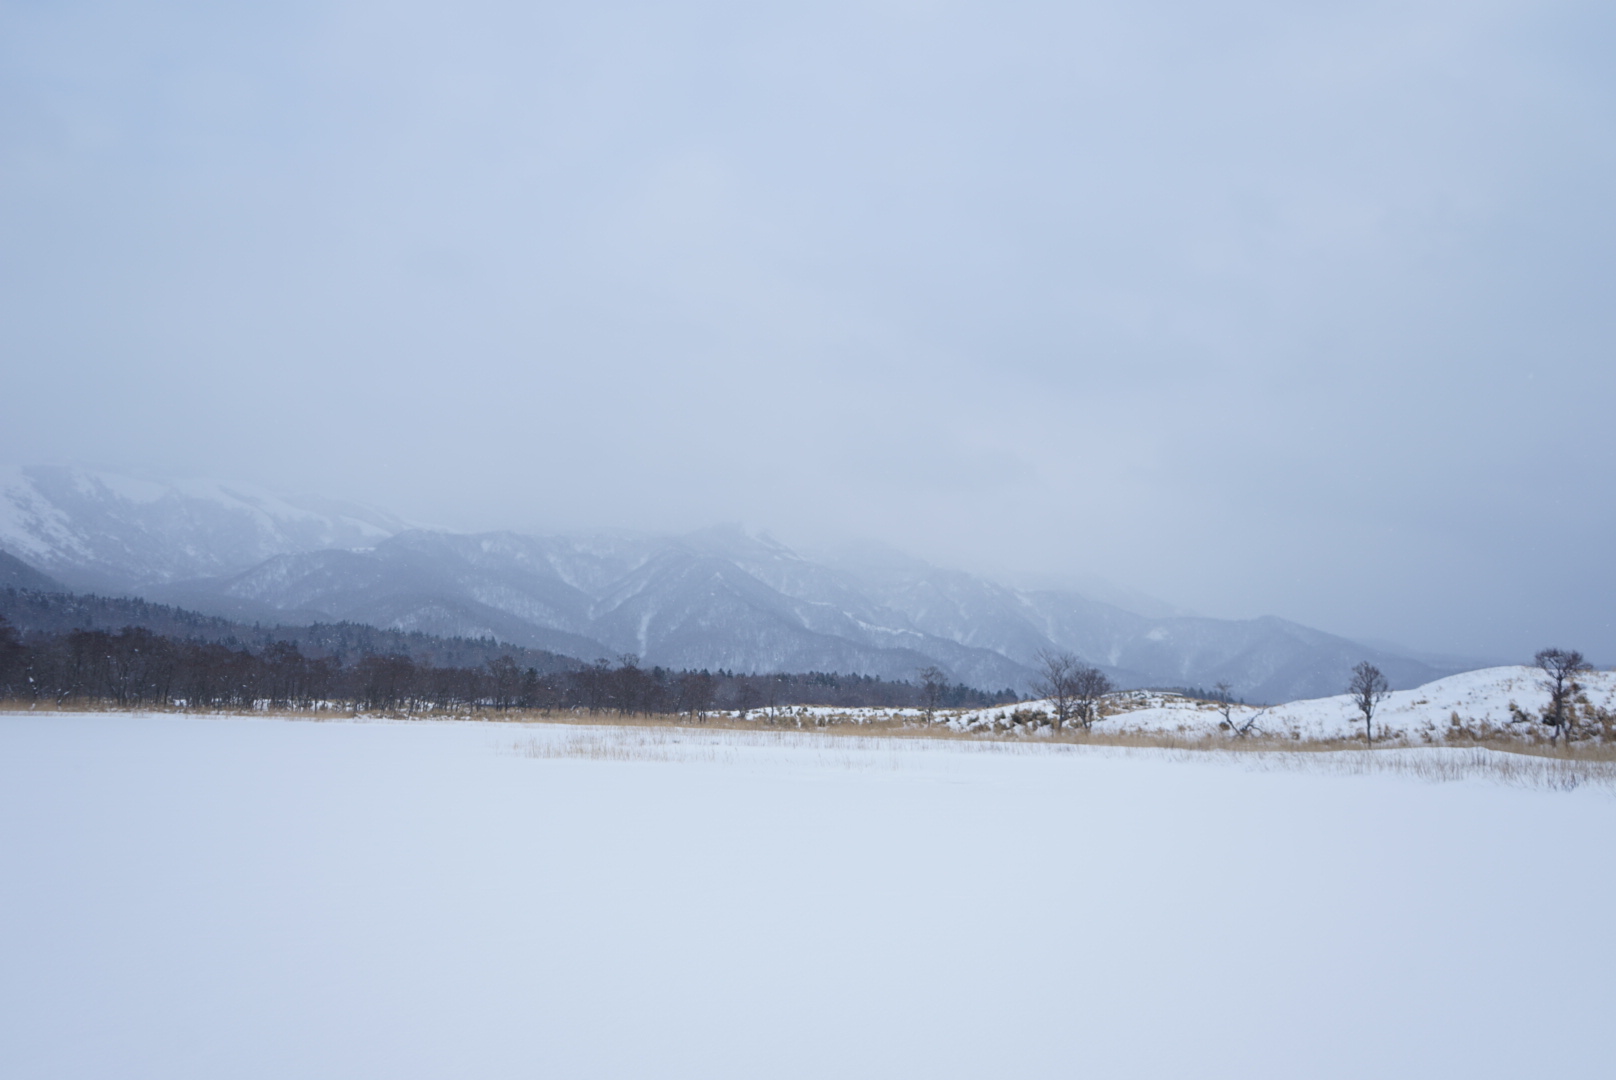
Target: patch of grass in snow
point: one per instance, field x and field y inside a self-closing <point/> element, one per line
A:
<point x="1445" y="766"/>
<point x="720" y="747"/>
<point x="862" y="752"/>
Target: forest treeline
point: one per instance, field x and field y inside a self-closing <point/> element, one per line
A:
<point x="136" y="667"/>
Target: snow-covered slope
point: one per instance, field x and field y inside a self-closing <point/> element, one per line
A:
<point x="669" y="601"/>
<point x="104" y="530"/>
<point x="1265" y="659"/>
<point x="1473" y="699"/>
<point x="16" y="574"/>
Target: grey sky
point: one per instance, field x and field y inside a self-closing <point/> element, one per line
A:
<point x="1261" y="308"/>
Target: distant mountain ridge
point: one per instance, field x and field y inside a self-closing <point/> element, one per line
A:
<point x="719" y="598"/>
<point x="101" y="530"/>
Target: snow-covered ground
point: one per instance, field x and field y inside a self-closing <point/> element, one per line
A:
<point x="1477" y="698"/>
<point x="230" y="897"/>
<point x="1423" y="716"/>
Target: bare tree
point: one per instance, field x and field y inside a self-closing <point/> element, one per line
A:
<point x="1368" y="689"/>
<point x="1055" y="681"/>
<point x="1226" y="705"/>
<point x="1560" y="668"/>
<point x="504" y="682"/>
<point x="1074" y="689"/>
<point x="13" y="659"/>
<point x="932" y="684"/>
<point x="696" y="689"/>
<point x="594" y="679"/>
<point x="746" y="696"/>
<point x="1223" y="694"/>
<point x="1089" y="685"/>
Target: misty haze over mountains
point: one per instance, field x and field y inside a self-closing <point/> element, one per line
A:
<point x="718" y="598"/>
<point x="1262" y="309"/>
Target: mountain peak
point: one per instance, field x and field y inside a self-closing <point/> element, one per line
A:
<point x="101" y="529"/>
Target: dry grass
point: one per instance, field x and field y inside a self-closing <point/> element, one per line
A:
<point x="720" y="747"/>
<point x="863" y="751"/>
<point x="1540" y="772"/>
<point x="850" y="743"/>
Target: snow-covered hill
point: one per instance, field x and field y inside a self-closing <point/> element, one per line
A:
<point x="1473" y="700"/>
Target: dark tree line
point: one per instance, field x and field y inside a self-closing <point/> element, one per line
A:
<point x="135" y="667"/>
<point x="35" y="611"/>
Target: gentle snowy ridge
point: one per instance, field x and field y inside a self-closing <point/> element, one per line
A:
<point x="1421" y="714"/>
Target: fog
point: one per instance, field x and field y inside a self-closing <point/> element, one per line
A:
<point x="1257" y="308"/>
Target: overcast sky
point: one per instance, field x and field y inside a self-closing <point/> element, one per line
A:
<point x="1257" y="307"/>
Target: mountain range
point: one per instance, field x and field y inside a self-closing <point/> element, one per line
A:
<point x="719" y="598"/>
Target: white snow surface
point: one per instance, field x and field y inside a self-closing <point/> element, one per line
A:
<point x="209" y="897"/>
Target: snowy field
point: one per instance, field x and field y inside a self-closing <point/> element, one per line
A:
<point x="227" y="897"/>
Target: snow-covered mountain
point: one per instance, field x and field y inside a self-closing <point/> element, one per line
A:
<point x="101" y="530"/>
<point x="705" y="600"/>
<point x="719" y="598"/>
<point x="1266" y="659"/>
